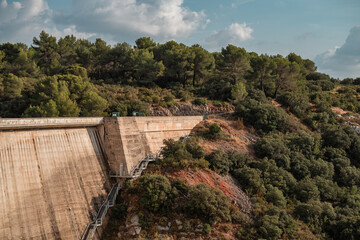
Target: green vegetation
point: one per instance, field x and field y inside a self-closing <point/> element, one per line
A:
<point x="300" y="177"/>
<point x="76" y="77"/>
<point x="159" y="196"/>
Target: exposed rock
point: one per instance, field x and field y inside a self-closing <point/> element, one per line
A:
<point x="132" y="221"/>
<point x="137" y="229"/>
<point x="179" y="224"/>
<point x="240" y="197"/>
<point x="199" y="228"/>
<point x="161" y="228"/>
<point x="184" y="109"/>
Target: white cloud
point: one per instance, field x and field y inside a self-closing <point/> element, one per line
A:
<point x="71" y="30"/>
<point x="234" y="34"/>
<point x="342" y="61"/>
<point x="20" y="20"/>
<point x="161" y="19"/>
<point x="114" y="20"/>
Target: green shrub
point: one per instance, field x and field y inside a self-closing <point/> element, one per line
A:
<point x="219" y="162"/>
<point x="194" y="148"/>
<point x="329" y="190"/>
<point x="176" y="150"/>
<point x="337" y="138"/>
<point x="263" y="117"/>
<point x="169" y="98"/>
<point x="298" y="103"/>
<point x="240" y="218"/>
<point x="183" y="155"/>
<point x="199" y="101"/>
<point x="155" y="193"/>
<point x="272" y="146"/>
<point x="156" y="99"/>
<point x="207" y="228"/>
<point x="214" y="131"/>
<point x="306" y="190"/>
<point x="248" y="178"/>
<point x="275" y="196"/>
<point x="209" y="205"/>
<point x="348" y="176"/>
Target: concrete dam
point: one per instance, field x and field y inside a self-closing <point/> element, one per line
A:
<point x="55" y="172"/>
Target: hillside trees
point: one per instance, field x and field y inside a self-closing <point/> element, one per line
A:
<point x="285" y="73"/>
<point x="204" y="64"/>
<point x="228" y="75"/>
<point x="145" y="43"/>
<point x="262" y="68"/>
<point x="46" y="53"/>
<point x="17" y="59"/>
<point x="233" y="63"/>
<point x="178" y="60"/>
<point x="66" y="95"/>
<point x="146" y="70"/>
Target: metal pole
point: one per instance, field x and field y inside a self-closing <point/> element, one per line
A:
<point x="72" y="220"/>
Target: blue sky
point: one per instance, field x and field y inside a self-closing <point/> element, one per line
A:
<point x="326" y="31"/>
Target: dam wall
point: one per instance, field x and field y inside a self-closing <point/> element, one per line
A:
<point x="54" y="172"/>
<point x="129" y="139"/>
<point x="51" y="182"/>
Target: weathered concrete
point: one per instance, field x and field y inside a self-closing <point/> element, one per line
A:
<point x="44" y="173"/>
<point x="54" y="174"/>
<point x="36" y="123"/>
<point x="129" y="139"/>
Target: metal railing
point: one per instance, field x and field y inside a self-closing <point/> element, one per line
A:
<point x="100" y="216"/>
<point x="111" y="197"/>
<point x="142" y="165"/>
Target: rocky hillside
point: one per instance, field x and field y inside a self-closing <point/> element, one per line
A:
<point x="128" y="221"/>
<point x="188" y="109"/>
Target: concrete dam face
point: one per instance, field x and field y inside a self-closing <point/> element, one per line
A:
<point x="54" y="173"/>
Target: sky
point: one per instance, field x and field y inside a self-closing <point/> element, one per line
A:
<point x="325" y="31"/>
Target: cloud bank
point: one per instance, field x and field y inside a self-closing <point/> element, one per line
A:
<point x="342" y="61"/>
<point x="162" y="19"/>
<point x="234" y="34"/>
<point x="117" y="20"/>
<point x="22" y="20"/>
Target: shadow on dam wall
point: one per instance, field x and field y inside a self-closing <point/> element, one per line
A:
<point x="52" y="181"/>
<point x="54" y="173"/>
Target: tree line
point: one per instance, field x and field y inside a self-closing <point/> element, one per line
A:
<point x="69" y="71"/>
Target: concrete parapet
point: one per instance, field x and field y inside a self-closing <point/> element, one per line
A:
<point x="36" y="123"/>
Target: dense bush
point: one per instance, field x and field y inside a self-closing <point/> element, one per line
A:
<point x="179" y="154"/>
<point x="155" y="193"/>
<point x="212" y="132"/>
<point x="298" y="103"/>
<point x="249" y="178"/>
<point x="263" y="117"/>
<point x="199" y="101"/>
<point x="219" y="162"/>
<point x="209" y="205"/>
<point x="274" y="222"/>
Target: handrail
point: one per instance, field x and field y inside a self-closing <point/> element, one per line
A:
<point x="142" y="165"/>
<point x="109" y="202"/>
